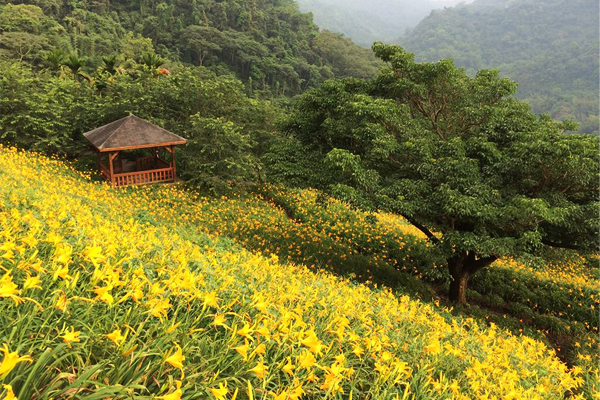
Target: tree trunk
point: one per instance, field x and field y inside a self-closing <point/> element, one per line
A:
<point x="460" y="278"/>
<point x="458" y="287"/>
<point x="462" y="265"/>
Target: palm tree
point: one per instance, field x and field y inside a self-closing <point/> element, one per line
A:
<point x="152" y="61"/>
<point x="110" y="64"/>
<point x="75" y="64"/>
<point x="55" y="58"/>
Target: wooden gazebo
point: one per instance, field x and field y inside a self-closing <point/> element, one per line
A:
<point x="133" y="133"/>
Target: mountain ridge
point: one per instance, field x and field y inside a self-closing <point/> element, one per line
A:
<point x="549" y="47"/>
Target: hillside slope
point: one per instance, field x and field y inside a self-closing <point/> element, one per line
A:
<point x="100" y="298"/>
<point x="550" y="47"/>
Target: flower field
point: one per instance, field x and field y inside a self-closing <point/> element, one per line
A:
<point x="140" y="294"/>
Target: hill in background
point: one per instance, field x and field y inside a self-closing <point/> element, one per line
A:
<point x="368" y="21"/>
<point x="269" y="44"/>
<point x="550" y="47"/>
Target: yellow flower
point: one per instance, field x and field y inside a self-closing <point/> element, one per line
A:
<point x="61" y="302"/>
<point x="281" y="396"/>
<point x="158" y="307"/>
<point x="220" y="392"/>
<point x="245" y="331"/>
<point x="260" y="370"/>
<point x="10" y="395"/>
<point x="296" y="393"/>
<point x="358" y="351"/>
<point x="61" y="272"/>
<point x="94" y="254"/>
<point x="32" y="282"/>
<point x="116" y="337"/>
<point x="306" y="360"/>
<point x="10" y="360"/>
<point x="9" y="289"/>
<point x="176" y="360"/>
<point x="72" y="336"/>
<point x="312" y="342"/>
<point x="211" y="300"/>
<point x="176" y="395"/>
<point x="219" y="320"/>
<point x="454" y="386"/>
<point x="9" y="255"/>
<point x="288" y="368"/>
<point x="434" y="347"/>
<point x="63" y="254"/>
<point x="104" y="295"/>
<point x="243" y="350"/>
<point x="260" y="349"/>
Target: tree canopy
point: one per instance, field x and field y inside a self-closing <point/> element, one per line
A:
<point x="458" y="156"/>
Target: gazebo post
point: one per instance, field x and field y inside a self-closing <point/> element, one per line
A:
<point x="111" y="158"/>
<point x="173" y="162"/>
<point x="98" y="159"/>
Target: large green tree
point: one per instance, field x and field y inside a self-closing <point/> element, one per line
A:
<point x="457" y="156"/>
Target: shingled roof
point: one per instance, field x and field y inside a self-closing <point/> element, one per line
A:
<point x="131" y="133"/>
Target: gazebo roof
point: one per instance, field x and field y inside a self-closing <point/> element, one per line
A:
<point x="131" y="133"/>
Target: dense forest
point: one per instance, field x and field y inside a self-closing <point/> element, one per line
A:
<point x="269" y="44"/>
<point x="549" y="47"/>
<point x="368" y="21"/>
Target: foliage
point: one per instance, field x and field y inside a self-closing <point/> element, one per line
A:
<point x="550" y="47"/>
<point x="268" y="44"/>
<point x="26" y="32"/>
<point x="218" y="154"/>
<point x="456" y="156"/>
<point x="140" y="309"/>
<point x="46" y="112"/>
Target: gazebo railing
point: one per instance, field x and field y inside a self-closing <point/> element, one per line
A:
<point x="144" y="177"/>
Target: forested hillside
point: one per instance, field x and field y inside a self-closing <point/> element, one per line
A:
<point x="268" y="43"/>
<point x="550" y="47"/>
<point x="368" y="21"/>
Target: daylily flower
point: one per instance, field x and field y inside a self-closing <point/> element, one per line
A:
<point x="9" y="289"/>
<point x="32" y="282"/>
<point x="176" y="395"/>
<point x="219" y="320"/>
<point x="220" y="392"/>
<point x="245" y="331"/>
<point x="10" y="395"/>
<point x="288" y="368"/>
<point x="116" y="337"/>
<point x="243" y="350"/>
<point x="312" y="342"/>
<point x="260" y="370"/>
<point x="72" y="336"/>
<point x="10" y="360"/>
<point x="176" y="360"/>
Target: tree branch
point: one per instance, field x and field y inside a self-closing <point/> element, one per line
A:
<point x="423" y="229"/>
<point x="560" y="245"/>
<point x="475" y="265"/>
